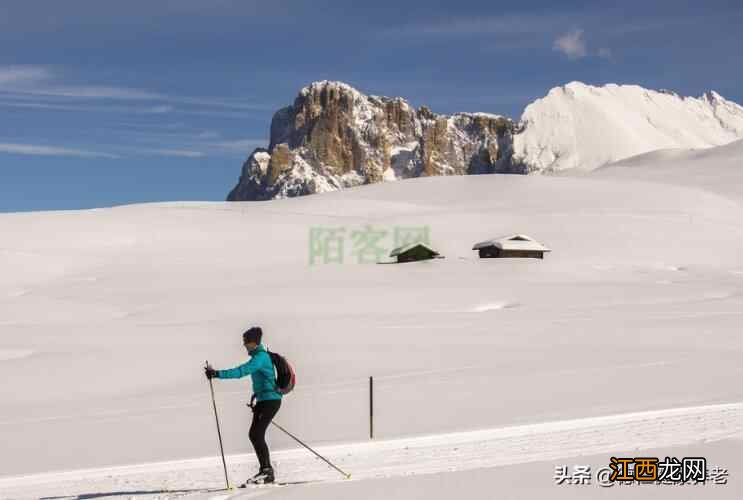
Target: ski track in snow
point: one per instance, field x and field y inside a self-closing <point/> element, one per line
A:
<point x="494" y="306"/>
<point x="397" y="457"/>
<point x="11" y="354"/>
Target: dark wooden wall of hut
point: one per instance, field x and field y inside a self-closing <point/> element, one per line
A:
<point x="495" y="252"/>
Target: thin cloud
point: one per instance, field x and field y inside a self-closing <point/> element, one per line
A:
<point x="43" y="150"/>
<point x="92" y="92"/>
<point x="164" y="108"/>
<point x="505" y="25"/>
<point x="216" y="103"/>
<point x="39" y="80"/>
<point x="24" y="82"/>
<point x="134" y="94"/>
<point x="156" y="126"/>
<point x="179" y="153"/>
<point x="148" y="134"/>
<point x="240" y="145"/>
<point x="22" y="74"/>
<point x="54" y="106"/>
<point x="23" y="102"/>
<point x="655" y="25"/>
<point x="604" y="53"/>
<point x="572" y="44"/>
<point x="541" y="24"/>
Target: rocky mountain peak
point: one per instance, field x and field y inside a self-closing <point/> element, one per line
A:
<point x="334" y="136"/>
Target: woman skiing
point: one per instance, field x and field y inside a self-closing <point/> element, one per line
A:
<point x="268" y="399"/>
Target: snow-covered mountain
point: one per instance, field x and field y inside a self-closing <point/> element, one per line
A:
<point x="334" y="137"/>
<point x="582" y="126"/>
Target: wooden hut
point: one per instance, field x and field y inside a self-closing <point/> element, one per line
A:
<point x="515" y="245"/>
<point x="414" y="252"/>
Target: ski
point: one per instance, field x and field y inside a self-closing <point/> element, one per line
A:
<point x="276" y="484"/>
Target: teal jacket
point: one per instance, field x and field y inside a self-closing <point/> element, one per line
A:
<point x="260" y="369"/>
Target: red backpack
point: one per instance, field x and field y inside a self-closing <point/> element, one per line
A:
<point x="285" y="376"/>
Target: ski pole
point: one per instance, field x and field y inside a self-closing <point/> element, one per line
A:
<point x="348" y="476"/>
<point x="295" y="438"/>
<point x="219" y="432"/>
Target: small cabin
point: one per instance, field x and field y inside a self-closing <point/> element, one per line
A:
<point x="414" y="252"/>
<point x="515" y="245"/>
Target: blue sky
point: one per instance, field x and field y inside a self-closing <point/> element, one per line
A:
<point x="105" y="103"/>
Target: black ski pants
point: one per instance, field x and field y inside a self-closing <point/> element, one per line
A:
<point x="263" y="413"/>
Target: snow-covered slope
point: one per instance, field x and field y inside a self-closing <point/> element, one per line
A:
<point x="108" y="315"/>
<point x="417" y="457"/>
<point x="719" y="169"/>
<point x="582" y="126"/>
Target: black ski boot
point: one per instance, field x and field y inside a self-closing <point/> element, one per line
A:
<point x="264" y="476"/>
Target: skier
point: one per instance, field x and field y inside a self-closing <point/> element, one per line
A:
<point x="261" y="370"/>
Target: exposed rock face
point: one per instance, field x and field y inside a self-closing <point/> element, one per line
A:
<point x="334" y="137"/>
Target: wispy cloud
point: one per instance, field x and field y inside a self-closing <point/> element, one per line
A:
<point x="25" y="82"/>
<point x="180" y="153"/>
<point x="235" y="104"/>
<point x="158" y="126"/>
<point x="146" y="132"/>
<point x="513" y="32"/>
<point x="542" y="30"/>
<point x="613" y="21"/>
<point x="504" y="25"/>
<point x="43" y="81"/>
<point x="163" y="108"/>
<point x="572" y="44"/>
<point x="604" y="53"/>
<point x="242" y="146"/>
<point x="44" y="150"/>
<point x="665" y="23"/>
<point x="90" y="92"/>
<point x="11" y="75"/>
<point x="16" y="101"/>
<point x="134" y="94"/>
<point x="82" y="107"/>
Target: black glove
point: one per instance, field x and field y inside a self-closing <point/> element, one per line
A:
<point x="210" y="372"/>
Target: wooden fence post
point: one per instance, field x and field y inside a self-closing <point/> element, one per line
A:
<point x="371" y="407"/>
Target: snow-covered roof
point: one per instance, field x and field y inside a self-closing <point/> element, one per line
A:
<point x="513" y="242"/>
<point x="400" y="250"/>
